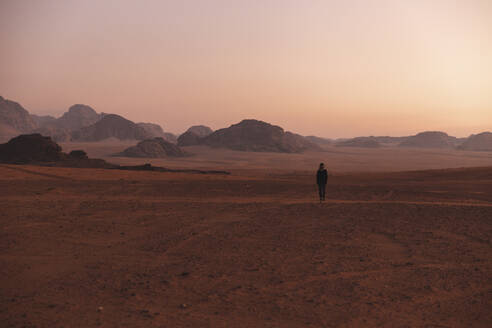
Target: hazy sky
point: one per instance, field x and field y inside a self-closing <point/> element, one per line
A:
<point x="330" y="68"/>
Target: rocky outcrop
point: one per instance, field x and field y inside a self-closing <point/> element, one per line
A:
<point x="30" y="148"/>
<point x="478" y="142"/>
<point x="362" y="142"/>
<point x="156" y="131"/>
<point x="170" y="137"/>
<point x="319" y="140"/>
<point x="258" y="136"/>
<point x="188" y="139"/>
<point x="41" y="120"/>
<point x="430" y="139"/>
<point x="38" y="150"/>
<point x="111" y="126"/>
<point x="14" y="119"/>
<point x="78" y="154"/>
<point x="153" y="148"/>
<point x="57" y="133"/>
<point x="77" y="117"/>
<point x="194" y="135"/>
<point x="200" y="130"/>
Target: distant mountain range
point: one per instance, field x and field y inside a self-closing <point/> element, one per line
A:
<point x="83" y="123"/>
<point x="427" y="139"/>
<point x="79" y="123"/>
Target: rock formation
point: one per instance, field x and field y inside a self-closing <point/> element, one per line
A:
<point x="200" y="130"/>
<point x="14" y="119"/>
<point x="111" y="126"/>
<point x="478" y="142"/>
<point x="188" y="139"/>
<point x="77" y="117"/>
<point x="41" y="120"/>
<point x="30" y="148"/>
<point x="319" y="141"/>
<point x="156" y="131"/>
<point x="153" y="148"/>
<point x="258" y="136"/>
<point x="193" y="135"/>
<point x="362" y="142"/>
<point x="430" y="139"/>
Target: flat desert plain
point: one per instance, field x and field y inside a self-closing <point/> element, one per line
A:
<point x="338" y="159"/>
<point x="110" y="248"/>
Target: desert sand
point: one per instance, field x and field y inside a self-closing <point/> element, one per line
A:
<point x="337" y="159"/>
<point x="108" y="248"/>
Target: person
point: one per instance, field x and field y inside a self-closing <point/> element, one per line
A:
<point x="321" y="179"/>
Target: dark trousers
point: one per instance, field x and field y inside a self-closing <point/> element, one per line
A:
<point x="322" y="189"/>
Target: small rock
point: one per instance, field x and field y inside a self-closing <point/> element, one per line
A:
<point x="99" y="309"/>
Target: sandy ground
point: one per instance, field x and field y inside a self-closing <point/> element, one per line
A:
<point x="90" y="248"/>
<point x="338" y="159"/>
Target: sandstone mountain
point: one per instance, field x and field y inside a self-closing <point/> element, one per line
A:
<point x="478" y="142"/>
<point x="14" y="119"/>
<point x="78" y="116"/>
<point x="60" y="129"/>
<point x="193" y="135"/>
<point x="188" y="139"/>
<point x="258" y="136"/>
<point x="154" y="129"/>
<point x="430" y="139"/>
<point x="111" y="126"/>
<point x="362" y="142"/>
<point x="153" y="148"/>
<point x="319" y="141"/>
<point x="41" y="120"/>
<point x="390" y="141"/>
<point x="157" y="132"/>
<point x="57" y="133"/>
<point x="171" y="137"/>
<point x="200" y="130"/>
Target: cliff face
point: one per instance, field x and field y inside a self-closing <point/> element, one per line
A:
<point x="77" y="117"/>
<point x="14" y="119"/>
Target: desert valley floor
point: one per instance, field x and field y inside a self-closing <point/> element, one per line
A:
<point x="109" y="248"/>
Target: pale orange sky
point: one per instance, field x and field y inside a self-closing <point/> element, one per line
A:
<point x="328" y="68"/>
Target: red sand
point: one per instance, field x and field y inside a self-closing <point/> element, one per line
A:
<point x="87" y="248"/>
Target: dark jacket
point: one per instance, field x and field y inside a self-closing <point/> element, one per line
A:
<point x="321" y="177"/>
